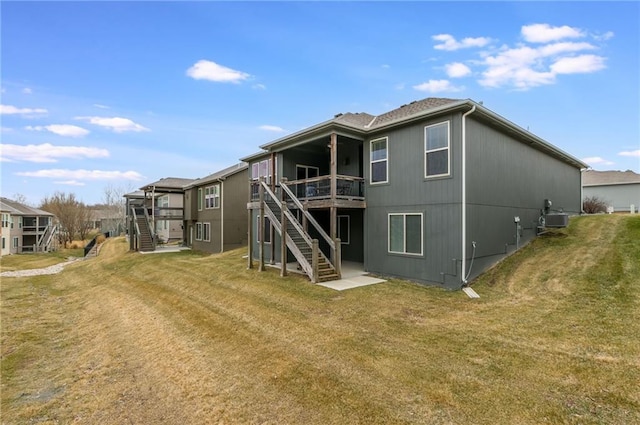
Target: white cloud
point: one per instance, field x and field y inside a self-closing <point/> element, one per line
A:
<point x="437" y="86"/>
<point x="61" y="130"/>
<point x="273" y="128"/>
<point x="98" y="105"/>
<point x="457" y="70"/>
<point x="385" y="66"/>
<point x="208" y="70"/>
<point x="48" y="153"/>
<point x="525" y="67"/>
<point x="400" y="86"/>
<point x="83" y="175"/>
<point x="259" y="87"/>
<point x="27" y="90"/>
<point x="70" y="183"/>
<point x="448" y="42"/>
<point x="596" y="160"/>
<point x="115" y="124"/>
<point x="604" y="37"/>
<point x="544" y="33"/>
<point x="630" y="153"/>
<point x="6" y="129"/>
<point x="12" y="110"/>
<point x="582" y="64"/>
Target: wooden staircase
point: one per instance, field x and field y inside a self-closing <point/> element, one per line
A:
<point x="145" y="236"/>
<point x="311" y="259"/>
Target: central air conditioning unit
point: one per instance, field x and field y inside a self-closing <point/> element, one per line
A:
<point x="556" y="220"/>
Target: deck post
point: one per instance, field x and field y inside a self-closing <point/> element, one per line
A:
<point x="283" y="241"/>
<point x="314" y="261"/>
<point x="338" y="261"/>
<point x="261" y="225"/>
<point x="250" y="230"/>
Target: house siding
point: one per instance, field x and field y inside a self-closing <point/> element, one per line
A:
<point x="618" y="196"/>
<point x="507" y="178"/>
<point x="235" y="194"/>
<point x="408" y="191"/>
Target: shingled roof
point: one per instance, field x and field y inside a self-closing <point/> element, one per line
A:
<point x="16" y="208"/>
<point x="229" y="171"/>
<point x="169" y="184"/>
<point x="605" y="178"/>
<point x="410" y="109"/>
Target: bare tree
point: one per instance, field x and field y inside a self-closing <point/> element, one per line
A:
<point x="21" y="199"/>
<point x="115" y="205"/>
<point x="594" y="205"/>
<point x="72" y="215"/>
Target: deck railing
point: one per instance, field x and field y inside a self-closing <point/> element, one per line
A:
<point x="317" y="188"/>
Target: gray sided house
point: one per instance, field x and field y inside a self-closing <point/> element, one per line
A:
<point x="215" y="210"/>
<point x="26" y="229"/>
<point x="155" y="213"/>
<point x="435" y="191"/>
<point x="618" y="189"/>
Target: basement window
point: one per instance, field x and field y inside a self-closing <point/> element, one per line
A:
<point x="405" y="233"/>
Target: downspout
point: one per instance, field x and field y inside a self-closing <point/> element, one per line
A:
<point x="221" y="216"/>
<point x="464" y="194"/>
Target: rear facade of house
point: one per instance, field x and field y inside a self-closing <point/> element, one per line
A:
<point x="215" y="210"/>
<point x="26" y="229"/>
<point x="435" y="191"/>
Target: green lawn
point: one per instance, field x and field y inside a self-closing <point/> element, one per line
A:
<point x="187" y="338"/>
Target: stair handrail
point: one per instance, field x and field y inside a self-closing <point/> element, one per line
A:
<point x="135" y="222"/>
<point x="292" y="219"/>
<point x="151" y="230"/>
<point x="51" y="235"/>
<point x="309" y="217"/>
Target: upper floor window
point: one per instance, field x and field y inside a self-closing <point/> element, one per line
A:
<point x="379" y="161"/>
<point x="437" y="158"/>
<point x="263" y="169"/>
<point x="212" y="196"/>
<point x="5" y="220"/>
<point x="163" y="201"/>
<point x="200" y="199"/>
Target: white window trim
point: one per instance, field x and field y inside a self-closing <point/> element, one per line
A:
<point x="404" y="244"/>
<point x="199" y="233"/>
<point x="212" y="192"/>
<point x="340" y="233"/>
<point x="267" y="228"/>
<point x="206" y="232"/>
<point x="448" y="148"/>
<point x="371" y="162"/>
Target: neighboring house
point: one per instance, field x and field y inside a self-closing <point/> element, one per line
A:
<point x="215" y="210"/>
<point x="618" y="189"/>
<point x="107" y="219"/>
<point x="26" y="229"/>
<point x="155" y="213"/>
<point x="435" y="191"/>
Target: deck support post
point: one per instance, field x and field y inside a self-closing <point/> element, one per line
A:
<point x="314" y="261"/>
<point x="283" y="241"/>
<point x="261" y="226"/>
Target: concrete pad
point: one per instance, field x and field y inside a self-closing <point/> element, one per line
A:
<point x="352" y="282"/>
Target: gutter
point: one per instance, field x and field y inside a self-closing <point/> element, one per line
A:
<point x="464" y="195"/>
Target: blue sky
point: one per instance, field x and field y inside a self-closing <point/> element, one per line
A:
<point x="121" y="94"/>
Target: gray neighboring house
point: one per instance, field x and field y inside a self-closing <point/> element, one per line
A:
<point x="26" y="229"/>
<point x="155" y="213"/>
<point x="619" y="189"/>
<point x="215" y="210"/>
<point x="435" y="191"/>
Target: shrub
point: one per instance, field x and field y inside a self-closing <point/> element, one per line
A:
<point x="594" y="205"/>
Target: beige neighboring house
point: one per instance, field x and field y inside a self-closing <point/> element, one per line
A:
<point x="26" y="229"/>
<point x="618" y="189"/>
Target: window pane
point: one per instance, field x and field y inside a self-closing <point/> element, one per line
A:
<point x="414" y="234"/>
<point x="437" y="136"/>
<point x="379" y="171"/>
<point x="379" y="150"/>
<point x="254" y="171"/>
<point x="396" y="233"/>
<point x="438" y="162"/>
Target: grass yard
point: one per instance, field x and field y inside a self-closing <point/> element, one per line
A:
<point x="37" y="260"/>
<point x="186" y="338"/>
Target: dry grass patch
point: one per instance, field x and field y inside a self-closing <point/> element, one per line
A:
<point x="190" y="338"/>
<point x="37" y="260"/>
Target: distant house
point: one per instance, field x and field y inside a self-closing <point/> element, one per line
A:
<point x="618" y="189"/>
<point x="26" y="229"/>
<point x="435" y="191"/>
<point x="155" y="213"/>
<point x="215" y="210"/>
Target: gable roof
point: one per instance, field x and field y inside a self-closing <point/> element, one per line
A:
<point x="352" y="125"/>
<point x="605" y="178"/>
<point x="16" y="208"/>
<point x="219" y="175"/>
<point x="167" y="185"/>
